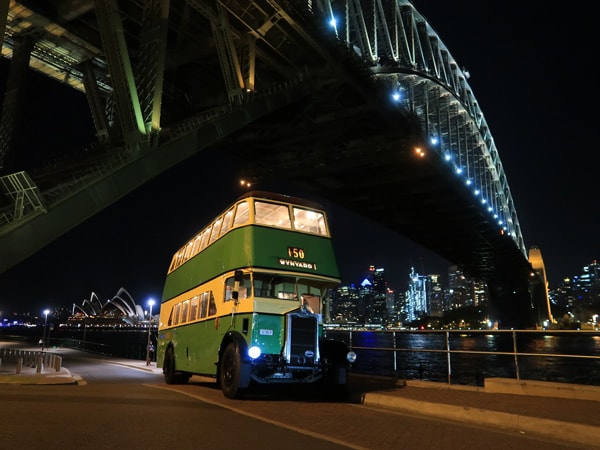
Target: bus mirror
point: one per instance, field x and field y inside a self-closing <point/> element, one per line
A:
<point x="239" y="277"/>
<point x="234" y="296"/>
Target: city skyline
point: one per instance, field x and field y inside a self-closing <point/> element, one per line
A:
<point x="143" y="301"/>
<point x="512" y="74"/>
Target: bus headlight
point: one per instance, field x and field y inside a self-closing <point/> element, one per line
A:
<point x="254" y="352"/>
<point x="351" y="356"/>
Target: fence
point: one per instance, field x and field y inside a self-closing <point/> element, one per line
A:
<point x="18" y="359"/>
<point x="469" y="356"/>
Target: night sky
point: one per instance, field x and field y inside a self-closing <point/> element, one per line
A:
<point x="532" y="74"/>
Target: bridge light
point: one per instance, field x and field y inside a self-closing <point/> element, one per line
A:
<point x="434" y="140"/>
<point x="483" y="201"/>
<point x="500" y="222"/>
<point x="476" y="191"/>
<point x="396" y="96"/>
<point x="469" y="182"/>
<point x="419" y="151"/>
<point x="489" y="208"/>
<point x="447" y="156"/>
<point x="333" y="23"/>
<point x="458" y="170"/>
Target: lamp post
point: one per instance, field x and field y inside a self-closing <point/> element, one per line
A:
<point x="150" y="303"/>
<point x="46" y="312"/>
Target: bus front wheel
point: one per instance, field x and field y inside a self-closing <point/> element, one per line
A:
<point x="230" y="372"/>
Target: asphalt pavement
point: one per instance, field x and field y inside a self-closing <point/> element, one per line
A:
<point x="560" y="411"/>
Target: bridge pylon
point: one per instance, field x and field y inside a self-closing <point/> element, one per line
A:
<point x="539" y="286"/>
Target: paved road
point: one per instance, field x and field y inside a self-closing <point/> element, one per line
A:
<point x="119" y="406"/>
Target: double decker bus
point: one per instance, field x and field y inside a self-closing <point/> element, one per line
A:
<point x="244" y="299"/>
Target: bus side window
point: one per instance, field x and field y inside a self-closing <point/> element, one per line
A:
<point x="194" y="308"/>
<point x="212" y="307"/>
<point x="184" y="311"/>
<point x="228" y="289"/>
<point x="177" y="308"/>
<point x="244" y="290"/>
<point x="203" y="304"/>
<point x="170" y="321"/>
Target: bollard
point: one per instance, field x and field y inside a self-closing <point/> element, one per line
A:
<point x="58" y="363"/>
<point x="19" y="365"/>
<point x="39" y="366"/>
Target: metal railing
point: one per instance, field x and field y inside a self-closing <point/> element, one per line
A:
<point x="18" y="359"/>
<point x="469" y="356"/>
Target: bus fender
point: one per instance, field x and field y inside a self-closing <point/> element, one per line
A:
<point x="333" y="351"/>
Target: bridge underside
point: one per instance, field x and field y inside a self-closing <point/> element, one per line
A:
<point x="336" y="136"/>
<point x="361" y="163"/>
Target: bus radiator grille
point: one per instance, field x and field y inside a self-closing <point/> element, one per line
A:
<point x="303" y="339"/>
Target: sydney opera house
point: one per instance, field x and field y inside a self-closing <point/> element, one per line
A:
<point x="121" y="310"/>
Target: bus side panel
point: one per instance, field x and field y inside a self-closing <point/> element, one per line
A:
<point x="259" y="247"/>
<point x="199" y="348"/>
<point x="210" y="263"/>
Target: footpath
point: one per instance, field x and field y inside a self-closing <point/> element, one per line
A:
<point x="565" y="412"/>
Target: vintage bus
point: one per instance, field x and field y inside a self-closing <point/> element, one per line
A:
<point x="244" y="300"/>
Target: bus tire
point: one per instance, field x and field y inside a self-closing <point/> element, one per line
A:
<point x="169" y="367"/>
<point x="230" y="372"/>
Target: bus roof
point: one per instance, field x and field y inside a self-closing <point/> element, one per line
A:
<point x="281" y="197"/>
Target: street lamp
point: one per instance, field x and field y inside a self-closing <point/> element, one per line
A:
<point x="46" y="312"/>
<point x="150" y="303"/>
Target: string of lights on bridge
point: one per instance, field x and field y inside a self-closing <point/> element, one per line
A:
<point x="447" y="155"/>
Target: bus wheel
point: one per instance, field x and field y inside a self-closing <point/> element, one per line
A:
<point x="230" y="372"/>
<point x="169" y="367"/>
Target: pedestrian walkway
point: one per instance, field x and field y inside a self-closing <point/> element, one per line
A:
<point x="564" y="412"/>
<point x="47" y="374"/>
<point x="553" y="410"/>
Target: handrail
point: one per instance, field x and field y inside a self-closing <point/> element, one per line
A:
<point x="395" y="350"/>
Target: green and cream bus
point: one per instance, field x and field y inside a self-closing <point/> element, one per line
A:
<point x="244" y="299"/>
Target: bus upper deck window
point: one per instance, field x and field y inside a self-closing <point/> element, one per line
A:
<point x="242" y="214"/>
<point x="226" y="222"/>
<point x="272" y="214"/>
<point x="309" y="221"/>
<point x="215" y="230"/>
